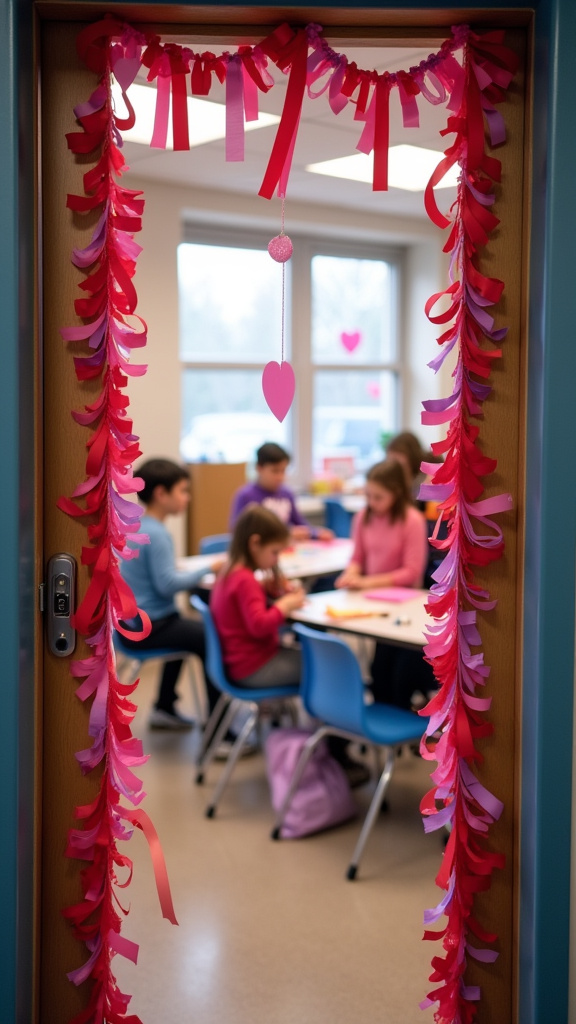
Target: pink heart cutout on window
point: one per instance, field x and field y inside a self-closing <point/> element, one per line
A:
<point x="125" y="70"/>
<point x="350" y="341"/>
<point x="278" y="386"/>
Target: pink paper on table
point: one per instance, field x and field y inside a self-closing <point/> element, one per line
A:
<point x="395" y="594"/>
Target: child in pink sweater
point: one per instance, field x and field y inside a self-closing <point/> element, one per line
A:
<point x="390" y="550"/>
<point x="390" y="538"/>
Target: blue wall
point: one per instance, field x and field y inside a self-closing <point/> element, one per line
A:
<point x="550" y="512"/>
<point x="9" y="511"/>
<point x="551" y="523"/>
<point x="17" y="617"/>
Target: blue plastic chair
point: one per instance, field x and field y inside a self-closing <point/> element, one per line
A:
<point x="137" y="658"/>
<point x="337" y="517"/>
<point x="232" y="698"/>
<point x="215" y="543"/>
<point x="332" y="691"/>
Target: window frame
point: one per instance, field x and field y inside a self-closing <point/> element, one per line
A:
<point x="298" y="320"/>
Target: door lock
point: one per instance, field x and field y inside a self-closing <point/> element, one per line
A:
<point x="60" y="605"/>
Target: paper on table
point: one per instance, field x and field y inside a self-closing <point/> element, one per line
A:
<point x="395" y="594"/>
<point x="334" y="612"/>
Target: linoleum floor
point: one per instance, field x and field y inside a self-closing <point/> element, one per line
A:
<point x="272" y="932"/>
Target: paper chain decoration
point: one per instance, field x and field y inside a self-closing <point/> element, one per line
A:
<point x="112" y="330"/>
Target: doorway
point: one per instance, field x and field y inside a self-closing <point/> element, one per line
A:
<point x="65" y="719"/>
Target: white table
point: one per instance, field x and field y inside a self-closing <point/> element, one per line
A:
<point x="399" y="623"/>
<point x="315" y="558"/>
<point x="306" y="559"/>
<point x="192" y="563"/>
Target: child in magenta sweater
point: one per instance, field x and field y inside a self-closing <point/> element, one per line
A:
<point x="246" y="619"/>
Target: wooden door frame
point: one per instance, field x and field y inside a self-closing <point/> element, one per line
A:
<point x="65" y="720"/>
<point x="546" y="987"/>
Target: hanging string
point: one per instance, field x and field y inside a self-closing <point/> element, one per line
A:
<point x="278" y="381"/>
<point x="283" y="281"/>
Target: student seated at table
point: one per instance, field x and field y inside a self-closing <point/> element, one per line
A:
<point x="406" y="449"/>
<point x="154" y="580"/>
<point x="248" y="612"/>
<point x="390" y="550"/>
<point x="270" y="491"/>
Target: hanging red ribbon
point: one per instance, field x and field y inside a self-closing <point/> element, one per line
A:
<point x="291" y="53"/>
<point x="381" y="133"/>
<point x="179" y="75"/>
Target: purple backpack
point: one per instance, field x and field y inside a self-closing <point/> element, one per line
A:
<point x="323" y="798"/>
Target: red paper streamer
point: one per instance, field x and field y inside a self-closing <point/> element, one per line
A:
<point x="289" y="50"/>
<point x="111" y="330"/>
<point x="456" y="713"/>
<point x="439" y="79"/>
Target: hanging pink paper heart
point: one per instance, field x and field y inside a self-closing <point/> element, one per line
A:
<point x="350" y="341"/>
<point x="125" y="70"/>
<point x="278" y="385"/>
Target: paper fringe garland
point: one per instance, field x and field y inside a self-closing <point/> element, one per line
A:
<point x="176" y="68"/>
<point x="113" y="330"/>
<point x="458" y="799"/>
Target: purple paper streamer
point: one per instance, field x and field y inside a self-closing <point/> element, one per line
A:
<point x="335" y="98"/>
<point x="486" y="956"/>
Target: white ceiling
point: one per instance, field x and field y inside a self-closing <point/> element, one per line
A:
<point x="322" y="136"/>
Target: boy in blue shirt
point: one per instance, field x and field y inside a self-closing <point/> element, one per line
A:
<point x="154" y="580"/>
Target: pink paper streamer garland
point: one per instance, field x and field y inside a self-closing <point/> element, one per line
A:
<point x="111" y="331"/>
<point x="458" y="800"/>
<point x="313" y="66"/>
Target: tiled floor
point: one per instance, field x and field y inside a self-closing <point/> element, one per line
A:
<point x="272" y="933"/>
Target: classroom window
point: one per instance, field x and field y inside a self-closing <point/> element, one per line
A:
<point x="341" y="334"/>
<point x="230" y="300"/>
<point x="352" y="312"/>
<point x="350" y="413"/>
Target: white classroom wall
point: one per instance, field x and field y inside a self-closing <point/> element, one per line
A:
<point x="155" y="397"/>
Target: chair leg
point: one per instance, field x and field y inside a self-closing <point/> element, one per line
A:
<point x="214" y="731"/>
<point x="305" y="755"/>
<point x="232" y="757"/>
<point x="372" y="814"/>
<point x="198" y="689"/>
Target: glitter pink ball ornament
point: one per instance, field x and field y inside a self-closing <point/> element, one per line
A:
<point x="280" y="248"/>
